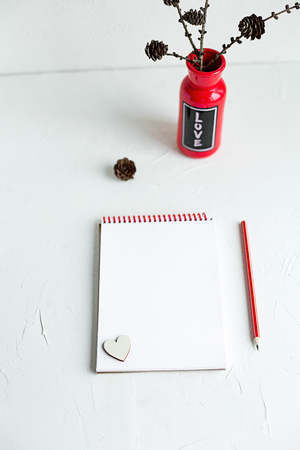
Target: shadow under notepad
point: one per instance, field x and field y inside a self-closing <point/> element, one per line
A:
<point x="95" y="298"/>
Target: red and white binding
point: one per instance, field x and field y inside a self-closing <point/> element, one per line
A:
<point x="156" y="218"/>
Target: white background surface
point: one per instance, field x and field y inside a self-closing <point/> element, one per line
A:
<point x="60" y="135"/>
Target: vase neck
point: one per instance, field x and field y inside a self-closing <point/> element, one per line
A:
<point x="202" y="80"/>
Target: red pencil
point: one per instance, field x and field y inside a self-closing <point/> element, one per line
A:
<point x="250" y="282"/>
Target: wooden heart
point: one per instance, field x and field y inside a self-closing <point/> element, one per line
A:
<point x="118" y="349"/>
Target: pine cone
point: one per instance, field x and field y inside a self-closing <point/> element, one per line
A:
<point x="124" y="169"/>
<point x="156" y="50"/>
<point x="171" y="2"/>
<point x="252" y="26"/>
<point x="193" y="17"/>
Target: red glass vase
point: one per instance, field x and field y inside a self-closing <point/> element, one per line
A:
<point x="201" y="107"/>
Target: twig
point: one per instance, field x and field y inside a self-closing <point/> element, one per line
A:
<point x="238" y="39"/>
<point x="287" y="9"/>
<point x="204" y="10"/>
<point x="225" y="48"/>
<point x="183" y="57"/>
<point x="188" y="35"/>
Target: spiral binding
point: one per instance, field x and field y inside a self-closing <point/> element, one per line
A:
<point x="156" y="218"/>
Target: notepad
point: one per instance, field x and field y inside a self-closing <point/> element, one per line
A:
<point x="159" y="287"/>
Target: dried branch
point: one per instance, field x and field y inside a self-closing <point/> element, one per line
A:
<point x="252" y="27"/>
<point x="224" y="50"/>
<point x="183" y="57"/>
<point x="156" y="50"/>
<point x="187" y="34"/>
<point x="257" y="25"/>
<point x="286" y="10"/>
<point x="204" y="10"/>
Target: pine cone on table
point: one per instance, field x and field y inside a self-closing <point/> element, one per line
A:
<point x="124" y="169"/>
<point x="156" y="50"/>
<point x="193" y="17"/>
<point x="252" y="26"/>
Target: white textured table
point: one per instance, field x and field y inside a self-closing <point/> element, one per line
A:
<point x="60" y="136"/>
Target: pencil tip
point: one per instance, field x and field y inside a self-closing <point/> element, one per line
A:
<point x="257" y="347"/>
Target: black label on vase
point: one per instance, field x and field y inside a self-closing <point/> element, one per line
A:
<point x="198" y="128"/>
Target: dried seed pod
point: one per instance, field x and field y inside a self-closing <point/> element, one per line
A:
<point x="124" y="169"/>
<point x="203" y="9"/>
<point x="171" y="2"/>
<point x="252" y="26"/>
<point x="288" y="9"/>
<point x="193" y="17"/>
<point x="156" y="50"/>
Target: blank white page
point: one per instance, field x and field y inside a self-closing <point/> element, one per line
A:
<point x="159" y="285"/>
